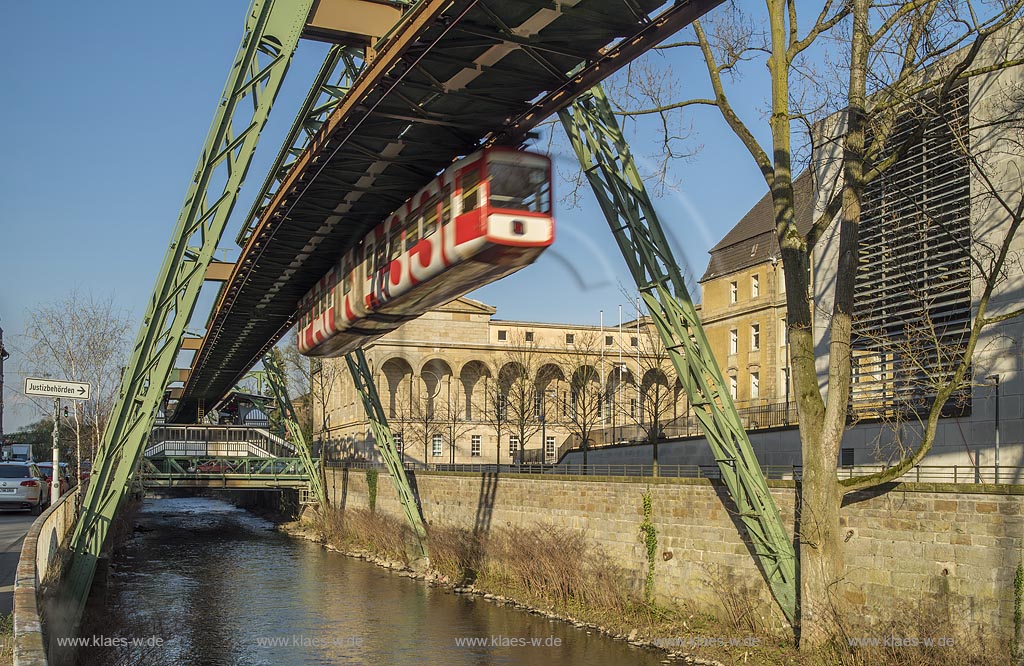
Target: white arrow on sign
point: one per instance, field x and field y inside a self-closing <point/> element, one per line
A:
<point x="54" y="388"/>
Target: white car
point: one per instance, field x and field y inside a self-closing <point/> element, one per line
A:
<point x="22" y="486"/>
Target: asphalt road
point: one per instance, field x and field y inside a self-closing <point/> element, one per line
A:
<point x="13" y="526"/>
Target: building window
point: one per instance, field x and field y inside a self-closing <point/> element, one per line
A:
<point x="782" y="279"/>
<point x="435" y="446"/>
<point x="755" y="385"/>
<point x="732" y="386"/>
<point x="474" y="446"/>
<point x="538" y="405"/>
<point x="734" y="341"/>
<point x="632" y="408"/>
<point x="502" y="335"/>
<point x="784" y="382"/>
<point x="513" y="445"/>
<point x="609" y="340"/>
<point x="755" y="286"/>
<point x="529" y="336"/>
<point x="549" y="448"/>
<point x="783" y="333"/>
<point x="570" y="338"/>
<point x="634" y="341"/>
<point x="755" y="337"/>
<point x="846" y="457"/>
<point x="733" y="292"/>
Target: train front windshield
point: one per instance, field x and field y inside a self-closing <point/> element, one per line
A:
<point x="520" y="186"/>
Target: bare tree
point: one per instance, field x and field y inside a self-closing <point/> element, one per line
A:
<point x="583" y="413"/>
<point x="655" y="388"/>
<point x="902" y="53"/>
<point x="455" y="424"/>
<point x="80" y="338"/>
<point x="520" y="380"/>
<point x="298" y="376"/>
<point x="419" y="422"/>
<point x="493" y="405"/>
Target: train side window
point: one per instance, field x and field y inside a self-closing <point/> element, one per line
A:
<point x="470" y="189"/>
<point x="368" y="258"/>
<point x="382" y="255"/>
<point x="446" y="204"/>
<point x="395" y="246"/>
<point x="430" y="216"/>
<point x="346" y="270"/>
<point x="412" y="230"/>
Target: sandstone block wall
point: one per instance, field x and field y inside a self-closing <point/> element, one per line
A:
<point x="949" y="551"/>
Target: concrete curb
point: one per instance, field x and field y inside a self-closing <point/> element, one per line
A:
<point x="29" y="646"/>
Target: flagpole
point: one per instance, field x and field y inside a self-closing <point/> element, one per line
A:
<point x="600" y="343"/>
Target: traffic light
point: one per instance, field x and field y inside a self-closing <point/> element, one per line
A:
<point x="65" y="411"/>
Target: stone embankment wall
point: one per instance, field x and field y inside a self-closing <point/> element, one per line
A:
<point x="940" y="551"/>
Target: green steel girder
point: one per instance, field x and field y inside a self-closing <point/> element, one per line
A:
<point x="604" y="154"/>
<point x="279" y="386"/>
<point x="364" y="383"/>
<point x="341" y="66"/>
<point x="272" y="32"/>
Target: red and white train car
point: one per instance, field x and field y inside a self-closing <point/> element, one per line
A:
<point x="486" y="216"/>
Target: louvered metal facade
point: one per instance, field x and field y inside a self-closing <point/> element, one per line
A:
<point x="913" y="288"/>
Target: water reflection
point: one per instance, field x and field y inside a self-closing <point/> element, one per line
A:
<point x="218" y="587"/>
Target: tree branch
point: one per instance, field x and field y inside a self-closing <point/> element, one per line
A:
<point x="730" y="116"/>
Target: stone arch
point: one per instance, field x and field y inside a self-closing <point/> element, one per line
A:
<point x="654" y="388"/>
<point x="435" y="378"/>
<point x="397" y="372"/>
<point x="473" y="377"/>
<point x="549" y="381"/>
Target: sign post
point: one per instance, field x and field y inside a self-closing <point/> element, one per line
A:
<point x="55" y="477"/>
<point x="56" y="389"/>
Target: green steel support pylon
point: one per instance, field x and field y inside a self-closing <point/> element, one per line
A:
<point x="363" y="380"/>
<point x="604" y="154"/>
<point x="272" y="31"/>
<point x="279" y="386"/>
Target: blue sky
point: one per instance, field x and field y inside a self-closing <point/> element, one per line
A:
<point x="105" y="109"/>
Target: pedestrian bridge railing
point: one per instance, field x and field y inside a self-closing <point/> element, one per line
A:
<point x="209" y="440"/>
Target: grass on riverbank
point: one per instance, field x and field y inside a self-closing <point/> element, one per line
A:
<point x="562" y="571"/>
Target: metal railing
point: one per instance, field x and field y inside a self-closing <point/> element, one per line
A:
<point x="247" y="467"/>
<point x="919" y="474"/>
<point x="217" y="440"/>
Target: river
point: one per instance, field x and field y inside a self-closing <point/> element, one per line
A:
<point x="213" y="585"/>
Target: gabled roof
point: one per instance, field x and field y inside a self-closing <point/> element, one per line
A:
<point x="753" y="241"/>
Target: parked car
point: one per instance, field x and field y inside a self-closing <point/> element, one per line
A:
<point x="22" y="487"/>
<point x="86" y="468"/>
<point x="65" y="475"/>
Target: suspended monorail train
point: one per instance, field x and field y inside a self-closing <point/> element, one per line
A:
<point x="486" y="216"/>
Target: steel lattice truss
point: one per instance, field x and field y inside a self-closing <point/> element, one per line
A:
<point x="609" y="167"/>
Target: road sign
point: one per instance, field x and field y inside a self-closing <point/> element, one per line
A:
<point x="54" y="388"/>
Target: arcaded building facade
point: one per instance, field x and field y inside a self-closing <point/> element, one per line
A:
<point x="460" y="386"/>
